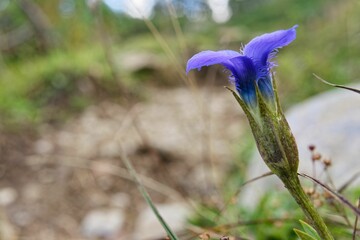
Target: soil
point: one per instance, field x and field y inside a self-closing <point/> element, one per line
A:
<point x="179" y="141"/>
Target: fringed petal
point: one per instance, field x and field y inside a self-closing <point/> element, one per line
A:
<point x="263" y="48"/>
<point x="243" y="77"/>
<point x="207" y="58"/>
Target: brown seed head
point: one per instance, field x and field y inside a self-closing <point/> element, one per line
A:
<point x="311" y="147"/>
<point x="327" y="162"/>
<point x="316" y="156"/>
<point x="327" y="195"/>
<point x="309" y="191"/>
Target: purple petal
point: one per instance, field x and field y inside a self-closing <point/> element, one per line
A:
<point x="244" y="76"/>
<point x="260" y="49"/>
<point x="207" y="58"/>
<point x="242" y="68"/>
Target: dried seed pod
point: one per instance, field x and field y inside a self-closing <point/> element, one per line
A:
<point x="312" y="147"/>
<point x="309" y="191"/>
<point x="316" y="156"/>
<point x="327" y="162"/>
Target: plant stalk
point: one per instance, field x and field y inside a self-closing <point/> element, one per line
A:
<point x="292" y="183"/>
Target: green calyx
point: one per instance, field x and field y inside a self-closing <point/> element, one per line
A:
<point x="278" y="149"/>
<point x="272" y="133"/>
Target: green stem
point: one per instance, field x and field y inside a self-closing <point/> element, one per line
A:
<point x="292" y="183"/>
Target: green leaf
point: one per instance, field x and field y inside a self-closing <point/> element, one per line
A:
<point x="303" y="235"/>
<point x="309" y="230"/>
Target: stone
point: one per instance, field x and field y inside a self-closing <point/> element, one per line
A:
<point x="331" y="122"/>
<point x="103" y="223"/>
<point x="7" y="196"/>
<point x="148" y="227"/>
<point x="120" y="200"/>
<point x="22" y="217"/>
<point x="43" y="146"/>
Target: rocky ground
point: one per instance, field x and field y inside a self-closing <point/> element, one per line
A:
<point x="70" y="182"/>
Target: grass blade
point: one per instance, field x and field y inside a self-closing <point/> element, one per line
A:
<point x="303" y="235"/>
<point x="336" y="85"/>
<point x="170" y="233"/>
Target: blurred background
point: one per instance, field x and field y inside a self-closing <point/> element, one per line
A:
<point x="83" y="82"/>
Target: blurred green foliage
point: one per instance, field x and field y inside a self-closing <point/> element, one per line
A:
<point x="27" y="87"/>
<point x="327" y="44"/>
<point x="273" y="218"/>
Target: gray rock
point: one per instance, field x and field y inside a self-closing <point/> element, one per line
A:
<point x="148" y="227"/>
<point x="103" y="223"/>
<point x="7" y="196"/>
<point x="120" y="200"/>
<point x="43" y="146"/>
<point x="330" y="121"/>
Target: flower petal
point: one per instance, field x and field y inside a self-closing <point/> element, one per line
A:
<point x="244" y="77"/>
<point x="260" y="48"/>
<point x="207" y="58"/>
<point x="266" y="88"/>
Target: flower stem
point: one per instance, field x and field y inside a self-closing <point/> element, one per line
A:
<point x="292" y="183"/>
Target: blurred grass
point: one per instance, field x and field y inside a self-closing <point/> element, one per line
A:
<point x="50" y="74"/>
<point x="327" y="44"/>
<point x="273" y="218"/>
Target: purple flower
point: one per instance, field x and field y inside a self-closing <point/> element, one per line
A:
<point x="250" y="66"/>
